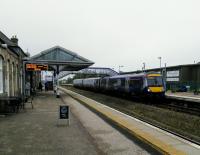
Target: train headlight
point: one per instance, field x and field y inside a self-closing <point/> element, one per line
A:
<point x="149" y="90"/>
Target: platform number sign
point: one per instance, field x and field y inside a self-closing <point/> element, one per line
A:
<point x="64" y="112"/>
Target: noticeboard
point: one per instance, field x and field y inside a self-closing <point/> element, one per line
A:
<point x="64" y="112"/>
<point x="36" y="67"/>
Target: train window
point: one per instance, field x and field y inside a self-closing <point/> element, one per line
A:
<point x="103" y="82"/>
<point x="135" y="83"/>
<point x="1" y="74"/>
<point x="123" y="82"/>
<point x="155" y="81"/>
<point x="112" y="82"/>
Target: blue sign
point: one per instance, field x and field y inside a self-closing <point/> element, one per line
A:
<point x="64" y="112"/>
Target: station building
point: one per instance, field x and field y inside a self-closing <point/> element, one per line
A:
<point x="11" y="56"/>
<point x="18" y="80"/>
<point x="187" y="75"/>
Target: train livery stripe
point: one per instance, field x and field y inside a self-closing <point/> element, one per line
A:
<point x="152" y="75"/>
<point x="156" y="89"/>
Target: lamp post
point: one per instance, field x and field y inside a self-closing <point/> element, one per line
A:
<point x="120" y="67"/>
<point x="143" y="68"/>
<point x="160" y="61"/>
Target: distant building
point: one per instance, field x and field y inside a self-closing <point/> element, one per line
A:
<point x="178" y="76"/>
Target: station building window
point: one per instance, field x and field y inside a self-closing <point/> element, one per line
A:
<point x="8" y="78"/>
<point x="13" y="80"/>
<point x="1" y="74"/>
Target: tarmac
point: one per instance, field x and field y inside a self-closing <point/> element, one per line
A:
<point x="38" y="131"/>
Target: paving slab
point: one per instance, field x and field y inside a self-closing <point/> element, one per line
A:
<point x="35" y="131"/>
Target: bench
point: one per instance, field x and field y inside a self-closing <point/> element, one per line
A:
<point x="11" y="103"/>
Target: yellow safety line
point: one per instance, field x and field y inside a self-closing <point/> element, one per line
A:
<point x="144" y="136"/>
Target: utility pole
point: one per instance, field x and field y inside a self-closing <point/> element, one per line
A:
<point x="160" y="61"/>
<point x="144" y="65"/>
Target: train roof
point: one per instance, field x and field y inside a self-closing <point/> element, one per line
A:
<point x="77" y="79"/>
<point x="92" y="78"/>
<point x="132" y="75"/>
<point x="120" y="76"/>
<point x="128" y="75"/>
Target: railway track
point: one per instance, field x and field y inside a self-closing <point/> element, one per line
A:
<point x="188" y="107"/>
<point x="129" y="112"/>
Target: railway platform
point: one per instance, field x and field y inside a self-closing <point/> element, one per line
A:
<point x="162" y="141"/>
<point x="185" y="96"/>
<point x="35" y="131"/>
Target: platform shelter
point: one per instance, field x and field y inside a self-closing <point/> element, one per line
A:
<point x="56" y="59"/>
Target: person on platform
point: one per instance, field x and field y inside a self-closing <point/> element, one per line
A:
<point x="40" y="86"/>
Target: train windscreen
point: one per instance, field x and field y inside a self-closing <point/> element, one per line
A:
<point x="155" y="81"/>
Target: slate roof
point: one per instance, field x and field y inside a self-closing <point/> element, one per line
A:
<point x="5" y="40"/>
<point x="12" y="46"/>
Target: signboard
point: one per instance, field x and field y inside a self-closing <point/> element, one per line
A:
<point x="64" y="112"/>
<point x="36" y="67"/>
<point x="48" y="78"/>
<point x="173" y="73"/>
<point x="172" y="79"/>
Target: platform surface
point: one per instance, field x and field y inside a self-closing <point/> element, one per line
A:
<point x="186" y="96"/>
<point x="157" y="138"/>
<point x="35" y="131"/>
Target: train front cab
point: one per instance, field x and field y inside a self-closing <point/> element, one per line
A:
<point x="154" y="85"/>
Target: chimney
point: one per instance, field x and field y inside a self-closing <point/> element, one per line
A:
<point x="14" y="39"/>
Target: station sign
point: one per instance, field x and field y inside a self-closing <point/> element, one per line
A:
<point x="172" y="79"/>
<point x="174" y="73"/>
<point x="64" y="112"/>
<point x="36" y="67"/>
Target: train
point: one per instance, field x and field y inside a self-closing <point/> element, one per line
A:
<point x="143" y="84"/>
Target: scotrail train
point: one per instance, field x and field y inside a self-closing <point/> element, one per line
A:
<point x="144" y="84"/>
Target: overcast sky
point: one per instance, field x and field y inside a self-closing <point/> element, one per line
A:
<point x="108" y="32"/>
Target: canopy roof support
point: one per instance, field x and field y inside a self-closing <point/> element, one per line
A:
<point x="58" y="59"/>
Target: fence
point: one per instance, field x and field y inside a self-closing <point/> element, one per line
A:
<point x="181" y="86"/>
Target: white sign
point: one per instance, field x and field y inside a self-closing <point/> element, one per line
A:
<point x="172" y="79"/>
<point x="173" y="73"/>
<point x="48" y="78"/>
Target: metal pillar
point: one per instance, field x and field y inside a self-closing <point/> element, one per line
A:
<point x="57" y="82"/>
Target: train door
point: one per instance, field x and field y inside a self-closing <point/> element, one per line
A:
<point x="122" y="85"/>
<point x="126" y="85"/>
<point x="103" y="84"/>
